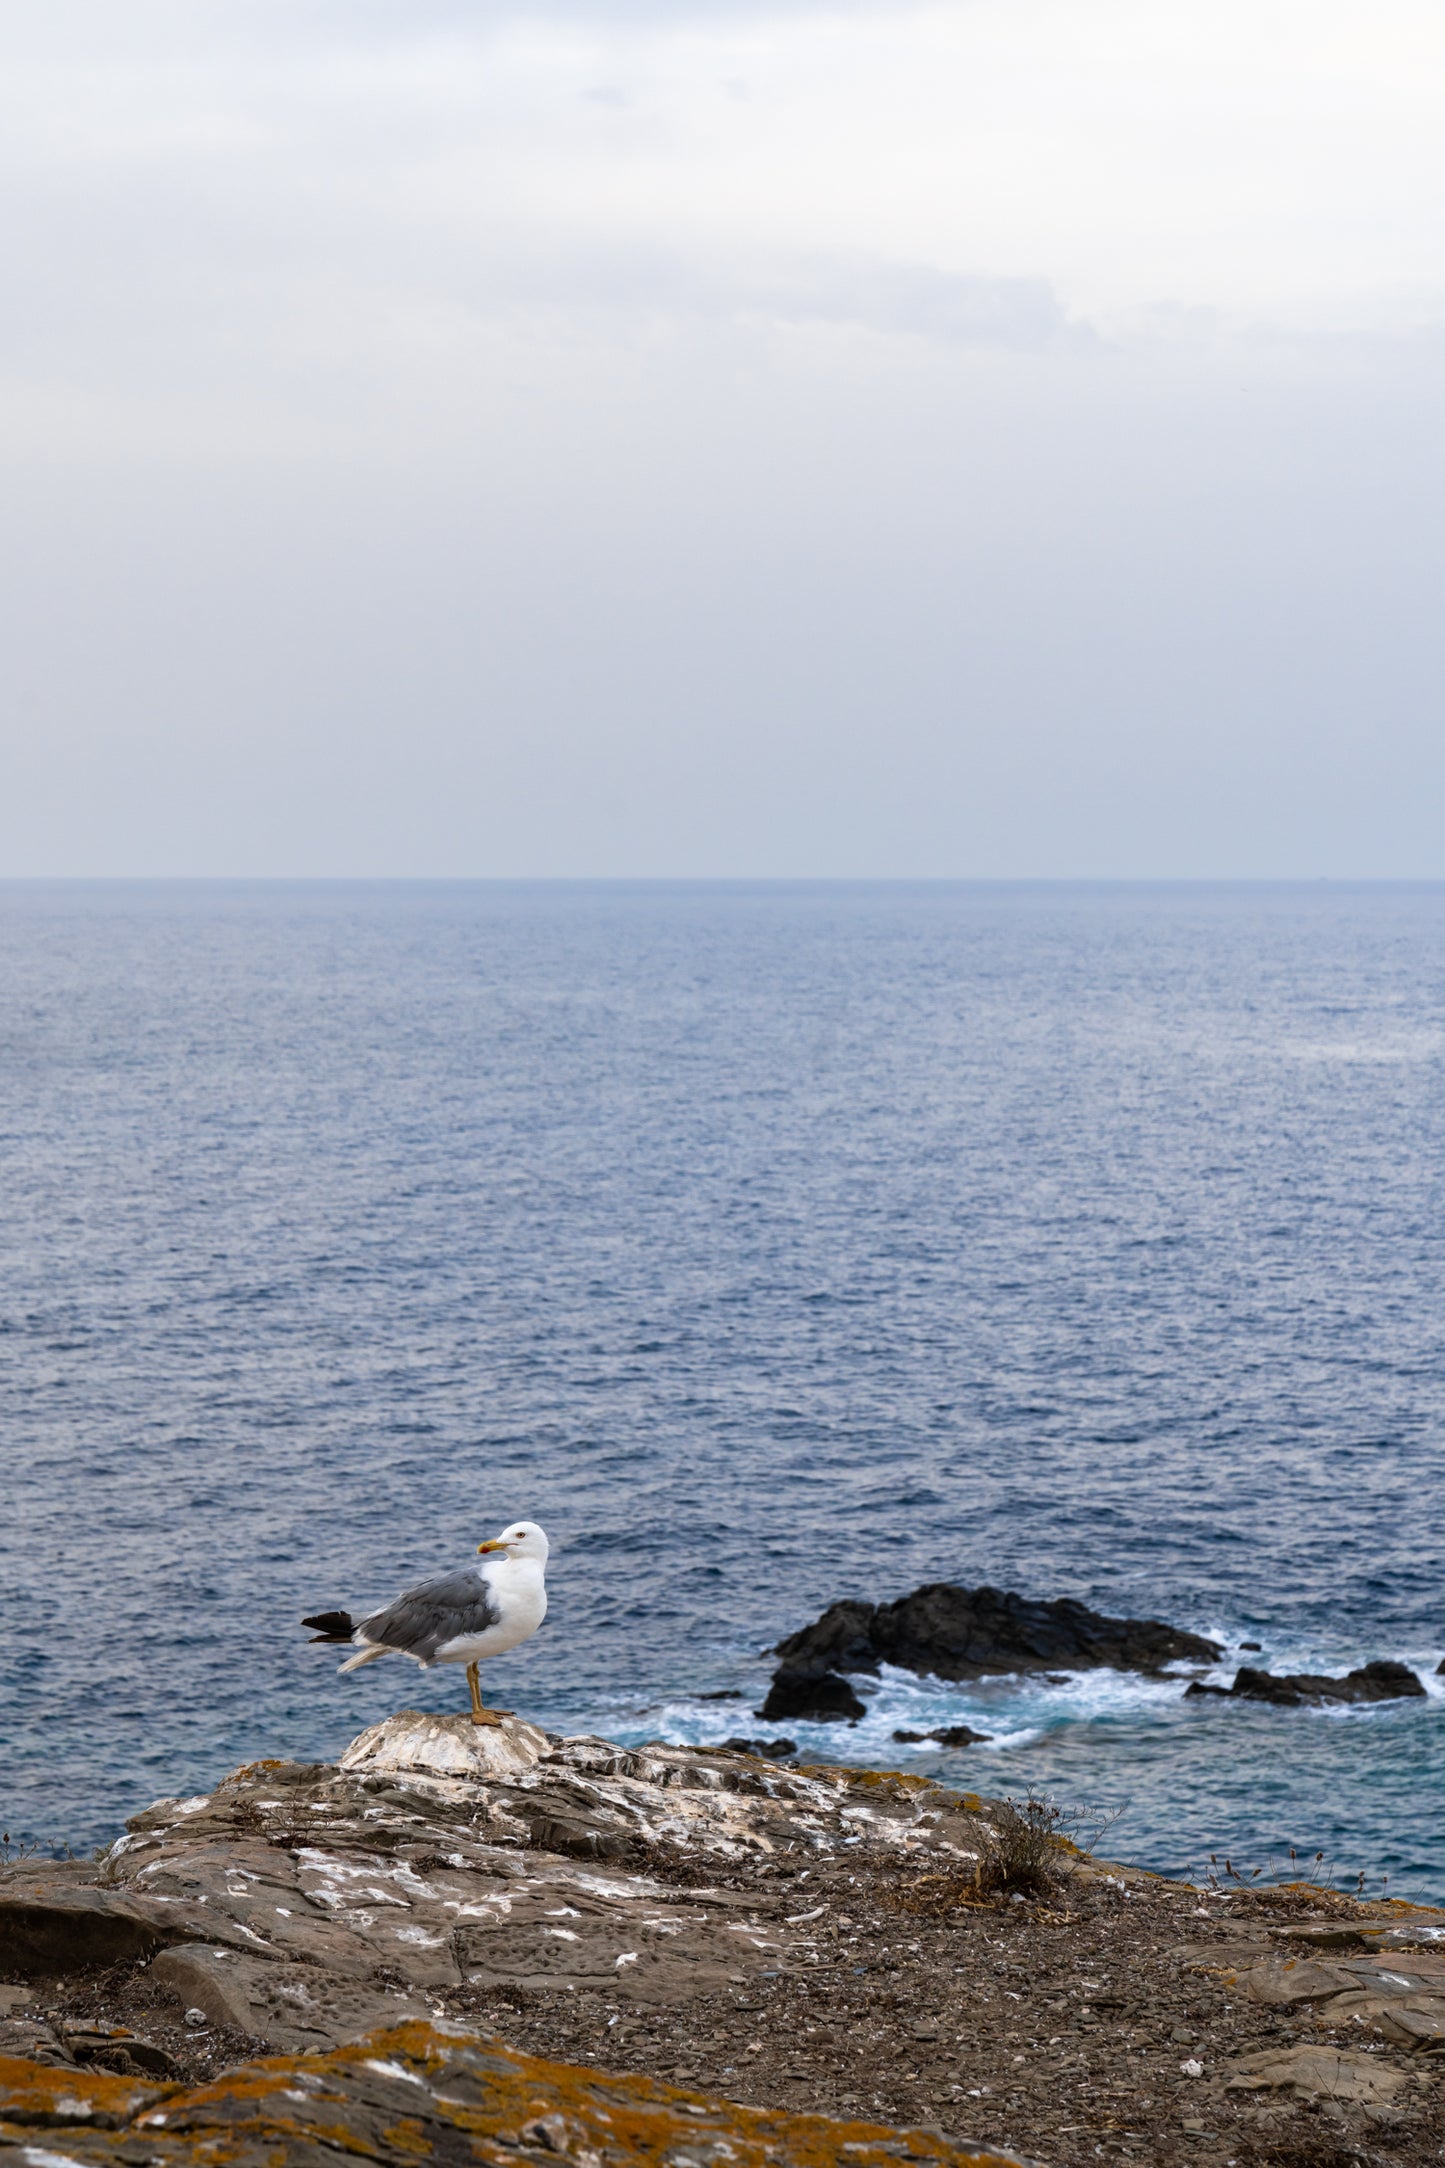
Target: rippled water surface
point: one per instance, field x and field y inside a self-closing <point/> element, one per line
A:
<point x="768" y="1245"/>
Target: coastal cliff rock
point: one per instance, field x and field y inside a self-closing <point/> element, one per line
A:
<point x="964" y="1633"/>
<point x="476" y="1945"/>
<point x="1381" y="1681"/>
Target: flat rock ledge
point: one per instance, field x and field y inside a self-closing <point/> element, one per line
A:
<point x="492" y="1944"/>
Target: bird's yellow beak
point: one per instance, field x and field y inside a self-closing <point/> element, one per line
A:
<point x="496" y="1544"/>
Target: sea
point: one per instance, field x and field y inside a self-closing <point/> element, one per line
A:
<point x="769" y="1244"/>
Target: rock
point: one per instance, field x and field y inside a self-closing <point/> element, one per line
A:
<point x="116" y="2048"/>
<point x="1401" y="1996"/>
<point x="1197" y="1688"/>
<point x="762" y="1749"/>
<point x="1318" y="2073"/>
<point x="946" y="1735"/>
<point x="423" y="2093"/>
<point x="1440" y="1669"/>
<point x="411" y="1743"/>
<point x="33" y="2040"/>
<point x="290" y="2007"/>
<point x="301" y="1905"/>
<point x="1253" y="1646"/>
<point x="333" y="1914"/>
<point x="50" y="1925"/>
<point x="1381" y="1681"/>
<point x="821" y="1697"/>
<point x="38" y="2095"/>
<point x="971" y="1633"/>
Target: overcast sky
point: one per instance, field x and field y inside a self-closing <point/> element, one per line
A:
<point x="1001" y="438"/>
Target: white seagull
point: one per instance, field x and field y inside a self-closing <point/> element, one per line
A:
<point x="459" y="1618"/>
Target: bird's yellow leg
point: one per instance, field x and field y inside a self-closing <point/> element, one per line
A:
<point x="479" y="1714"/>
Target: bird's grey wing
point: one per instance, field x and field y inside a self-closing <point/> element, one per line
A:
<point x="425" y="1618"/>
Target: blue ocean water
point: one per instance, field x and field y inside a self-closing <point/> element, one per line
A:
<point x="768" y="1244"/>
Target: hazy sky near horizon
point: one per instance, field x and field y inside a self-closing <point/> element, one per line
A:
<point x="607" y="437"/>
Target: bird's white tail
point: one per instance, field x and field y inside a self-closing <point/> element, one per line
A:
<point x="362" y="1656"/>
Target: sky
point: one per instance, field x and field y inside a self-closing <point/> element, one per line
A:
<point x="602" y="438"/>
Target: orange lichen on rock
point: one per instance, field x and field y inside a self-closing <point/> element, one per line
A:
<point x="418" y="2092"/>
<point x="38" y="2093"/>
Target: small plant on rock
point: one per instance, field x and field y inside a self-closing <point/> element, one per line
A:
<point x="1027" y="1847"/>
<point x="1026" y="1851"/>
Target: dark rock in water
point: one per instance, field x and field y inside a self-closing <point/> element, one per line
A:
<point x="762" y="1749"/>
<point x="1381" y="1681"/>
<point x="1440" y="1669"/>
<point x="946" y="1735"/>
<point x="970" y="1633"/>
<point x="724" y="1693"/>
<point x="1253" y="1646"/>
<point x="818" y="1695"/>
<point x="1197" y="1686"/>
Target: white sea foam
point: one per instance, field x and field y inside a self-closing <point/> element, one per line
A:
<point x="1014" y="1712"/>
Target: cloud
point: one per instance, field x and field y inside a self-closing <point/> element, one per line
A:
<point x="920" y="302"/>
<point x="999" y="437"/>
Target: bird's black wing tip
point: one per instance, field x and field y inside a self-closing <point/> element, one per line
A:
<point x="333" y="1626"/>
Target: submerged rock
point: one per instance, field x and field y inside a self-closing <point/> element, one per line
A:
<point x="945" y="1735"/>
<point x="1381" y="1681"/>
<point x="970" y="1633"/>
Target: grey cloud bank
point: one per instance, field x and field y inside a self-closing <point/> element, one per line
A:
<point x="469" y="443"/>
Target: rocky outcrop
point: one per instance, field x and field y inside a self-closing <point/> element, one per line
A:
<point x="338" y="1917"/>
<point x="466" y="1945"/>
<point x="1382" y="1681"/>
<point x="964" y="1633"/>
<point x="299" y="1904"/>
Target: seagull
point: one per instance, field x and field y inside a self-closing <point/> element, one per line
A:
<point x="459" y="1618"/>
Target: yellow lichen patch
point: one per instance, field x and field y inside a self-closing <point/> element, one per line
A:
<point x="408" y="2139"/>
<point x="888" y="1780"/>
<point x="38" y="2093"/>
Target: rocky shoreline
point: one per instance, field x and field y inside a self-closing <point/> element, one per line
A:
<point x="462" y="1945"/>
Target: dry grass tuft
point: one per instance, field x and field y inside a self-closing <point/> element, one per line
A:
<point x="1024" y="1850"/>
<point x="1026" y="1853"/>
